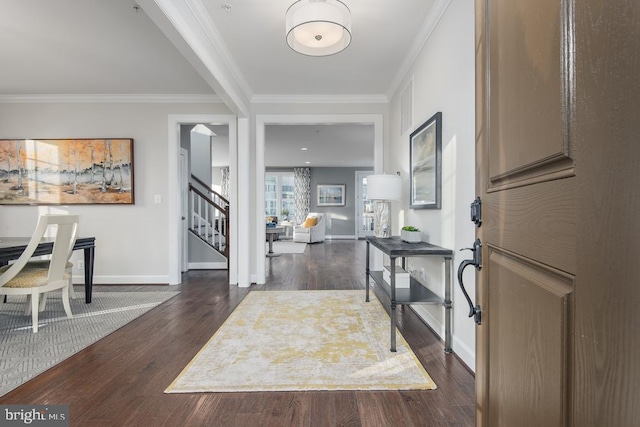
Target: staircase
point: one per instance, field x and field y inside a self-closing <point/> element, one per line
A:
<point x="209" y="216"/>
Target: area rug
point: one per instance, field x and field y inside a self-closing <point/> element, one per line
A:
<point x="23" y="354"/>
<point x="303" y="340"/>
<point x="288" y="247"/>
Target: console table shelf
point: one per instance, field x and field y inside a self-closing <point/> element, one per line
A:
<point x="395" y="248"/>
<point x="415" y="294"/>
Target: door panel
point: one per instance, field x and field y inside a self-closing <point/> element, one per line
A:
<point x="529" y="313"/>
<point x="526" y="82"/>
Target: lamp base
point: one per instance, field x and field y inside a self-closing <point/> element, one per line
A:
<point x="382" y="219"/>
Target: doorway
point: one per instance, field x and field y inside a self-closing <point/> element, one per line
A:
<point x="364" y="206"/>
<point x="283" y="119"/>
<point x="174" y="225"/>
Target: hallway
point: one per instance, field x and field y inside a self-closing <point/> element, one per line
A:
<point x="119" y="381"/>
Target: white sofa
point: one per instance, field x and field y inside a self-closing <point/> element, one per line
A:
<point x="312" y="234"/>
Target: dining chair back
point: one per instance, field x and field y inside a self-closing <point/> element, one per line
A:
<point x="44" y="264"/>
<point x="15" y="279"/>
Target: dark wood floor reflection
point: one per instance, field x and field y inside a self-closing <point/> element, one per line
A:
<point x="120" y="380"/>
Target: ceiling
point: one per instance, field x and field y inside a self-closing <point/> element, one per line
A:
<point x="382" y="34"/>
<point x="198" y="48"/>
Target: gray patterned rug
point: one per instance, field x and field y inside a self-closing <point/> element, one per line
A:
<point x="23" y="354"/>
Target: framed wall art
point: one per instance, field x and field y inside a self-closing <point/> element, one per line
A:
<point x="425" y="161"/>
<point x="66" y="171"/>
<point x="330" y="195"/>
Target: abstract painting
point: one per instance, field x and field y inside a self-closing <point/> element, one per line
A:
<point x="66" y="171"/>
<point x="425" y="158"/>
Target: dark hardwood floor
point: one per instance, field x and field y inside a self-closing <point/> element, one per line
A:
<point x="120" y="380"/>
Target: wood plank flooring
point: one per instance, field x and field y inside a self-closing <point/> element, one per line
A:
<point x="119" y="381"/>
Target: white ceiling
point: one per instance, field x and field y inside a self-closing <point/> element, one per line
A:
<point x="107" y="47"/>
<point x="382" y="34"/>
<point x="335" y="145"/>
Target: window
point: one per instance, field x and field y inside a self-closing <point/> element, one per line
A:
<point x="279" y="195"/>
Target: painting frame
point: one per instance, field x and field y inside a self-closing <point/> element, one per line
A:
<point x="331" y="195"/>
<point x="69" y="171"/>
<point x="425" y="164"/>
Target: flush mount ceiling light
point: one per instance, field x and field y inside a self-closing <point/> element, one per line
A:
<point x="318" y="27"/>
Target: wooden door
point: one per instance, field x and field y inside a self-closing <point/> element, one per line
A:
<point x="558" y="169"/>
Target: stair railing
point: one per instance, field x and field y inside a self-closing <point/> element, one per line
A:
<point x="209" y="218"/>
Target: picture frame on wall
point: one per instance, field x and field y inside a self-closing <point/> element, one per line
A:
<point x="66" y="171"/>
<point x="330" y="195"/>
<point x="425" y="162"/>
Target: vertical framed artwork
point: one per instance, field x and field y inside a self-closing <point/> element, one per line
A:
<point x="425" y="161"/>
<point x="330" y="195"/>
<point x="66" y="171"/>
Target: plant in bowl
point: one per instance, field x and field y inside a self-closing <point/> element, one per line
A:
<point x="410" y="234"/>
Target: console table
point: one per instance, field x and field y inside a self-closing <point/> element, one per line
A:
<point x="395" y="248"/>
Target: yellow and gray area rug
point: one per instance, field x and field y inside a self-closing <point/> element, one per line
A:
<point x="303" y="340"/>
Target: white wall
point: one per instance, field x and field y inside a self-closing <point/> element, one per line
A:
<point x="200" y="156"/>
<point x="443" y="80"/>
<point x="131" y="241"/>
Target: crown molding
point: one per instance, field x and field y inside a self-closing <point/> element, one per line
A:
<point x="438" y="9"/>
<point x="108" y="98"/>
<point x="319" y="99"/>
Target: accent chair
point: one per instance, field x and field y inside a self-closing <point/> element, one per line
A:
<point x="312" y="230"/>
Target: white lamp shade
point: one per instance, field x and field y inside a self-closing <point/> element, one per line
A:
<point x="384" y="187"/>
<point x="318" y="27"/>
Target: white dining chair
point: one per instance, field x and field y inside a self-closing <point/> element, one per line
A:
<point x="44" y="264"/>
<point x="15" y="279"/>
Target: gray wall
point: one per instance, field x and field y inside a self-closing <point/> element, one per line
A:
<point x="341" y="220"/>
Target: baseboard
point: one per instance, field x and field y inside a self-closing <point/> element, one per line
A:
<point x="340" y="237"/>
<point x="123" y="280"/>
<point x="207" y="266"/>
<point x="429" y="320"/>
<point x="464" y="353"/>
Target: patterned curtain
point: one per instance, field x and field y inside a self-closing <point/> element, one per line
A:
<point x="224" y="186"/>
<point x="302" y="195"/>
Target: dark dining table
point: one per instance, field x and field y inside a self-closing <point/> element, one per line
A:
<point x="12" y="247"/>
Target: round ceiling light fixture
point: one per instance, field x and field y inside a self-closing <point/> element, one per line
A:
<point x="318" y="27"/>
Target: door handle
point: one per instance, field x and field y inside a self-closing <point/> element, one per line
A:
<point x="476" y="261"/>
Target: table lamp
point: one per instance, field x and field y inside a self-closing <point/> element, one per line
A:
<point x="382" y="189"/>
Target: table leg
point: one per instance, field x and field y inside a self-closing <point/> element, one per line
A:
<point x="448" y="306"/>
<point x="2" y="264"/>
<point x="367" y="273"/>
<point x="271" y="253"/>
<point x="393" y="304"/>
<point x="89" y="257"/>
